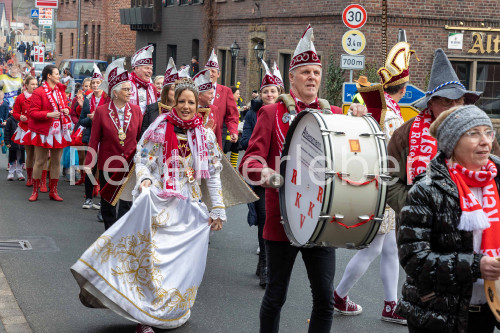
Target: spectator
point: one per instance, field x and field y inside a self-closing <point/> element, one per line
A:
<point x="195" y="66"/>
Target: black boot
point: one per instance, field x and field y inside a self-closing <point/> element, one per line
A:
<point x="259" y="265"/>
<point x="263" y="272"/>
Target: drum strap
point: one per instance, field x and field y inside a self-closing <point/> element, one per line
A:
<point x="289" y="102"/>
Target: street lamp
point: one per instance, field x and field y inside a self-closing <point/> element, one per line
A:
<point x="259" y="50"/>
<point x="235" y="51"/>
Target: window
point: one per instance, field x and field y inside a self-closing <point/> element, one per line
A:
<point x="477" y="75"/>
<point x="86" y="41"/>
<point x="194" y="2"/>
<point x="60" y="43"/>
<point x="222" y="64"/>
<point x="284" y="64"/>
<point x="93" y="42"/>
<point x="195" y="48"/>
<point x="185" y="2"/>
<point x="168" y="2"/>
<point x="72" y="44"/>
<point x="172" y="52"/>
<point x="98" y="46"/>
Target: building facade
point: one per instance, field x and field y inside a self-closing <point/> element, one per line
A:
<point x="101" y="37"/>
<point x="468" y="31"/>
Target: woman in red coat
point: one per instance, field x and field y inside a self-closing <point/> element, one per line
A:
<point x="22" y="134"/>
<point x="50" y="127"/>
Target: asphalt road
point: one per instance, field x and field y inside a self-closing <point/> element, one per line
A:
<point x="228" y="299"/>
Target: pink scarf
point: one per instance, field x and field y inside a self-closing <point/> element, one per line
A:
<point x="476" y="215"/>
<point x="163" y="132"/>
<point x="423" y="147"/>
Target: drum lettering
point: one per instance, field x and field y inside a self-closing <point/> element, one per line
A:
<point x="320" y="195"/>
<point x="310" y="212"/>
<point x="297" y="200"/>
<point x="294" y="177"/>
<point x="302" y="220"/>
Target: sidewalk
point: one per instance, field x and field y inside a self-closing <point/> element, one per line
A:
<point x="11" y="317"/>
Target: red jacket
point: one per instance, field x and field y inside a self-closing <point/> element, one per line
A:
<point x="227" y="112"/>
<point x="38" y="121"/>
<point x="104" y="136"/>
<point x="264" y="144"/>
<point x="21" y="108"/>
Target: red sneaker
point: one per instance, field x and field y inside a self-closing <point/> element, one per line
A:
<point x="140" y="328"/>
<point x="389" y="315"/>
<point x="345" y="306"/>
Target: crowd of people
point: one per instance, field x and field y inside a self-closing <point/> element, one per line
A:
<point x="154" y="151"/>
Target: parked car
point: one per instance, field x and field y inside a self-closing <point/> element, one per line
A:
<point x="39" y="67"/>
<point x="82" y="68"/>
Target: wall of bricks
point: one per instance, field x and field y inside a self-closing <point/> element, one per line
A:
<point x="113" y="41"/>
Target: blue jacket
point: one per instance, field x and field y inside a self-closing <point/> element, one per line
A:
<point x="4" y="112"/>
<point x="85" y="121"/>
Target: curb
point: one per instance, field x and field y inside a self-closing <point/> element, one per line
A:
<point x="11" y="316"/>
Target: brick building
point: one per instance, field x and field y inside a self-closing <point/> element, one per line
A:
<point x="101" y="34"/>
<point x="278" y="25"/>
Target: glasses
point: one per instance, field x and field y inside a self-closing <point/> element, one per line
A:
<point x="446" y="102"/>
<point x="477" y="135"/>
<point x="126" y="89"/>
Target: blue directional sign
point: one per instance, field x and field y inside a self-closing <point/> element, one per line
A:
<point x="413" y="94"/>
<point x="348" y="92"/>
<point x="35" y="13"/>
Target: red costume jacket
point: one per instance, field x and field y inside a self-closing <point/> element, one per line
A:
<point x="264" y="144"/>
<point x="104" y="136"/>
<point x="38" y="121"/>
<point x="21" y="108"/>
<point x="227" y="112"/>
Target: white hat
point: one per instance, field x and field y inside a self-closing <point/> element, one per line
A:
<point x="305" y="53"/>
<point x="97" y="73"/>
<point x="212" y="61"/>
<point x="268" y="79"/>
<point x="202" y="80"/>
<point x="115" y="74"/>
<point x="143" y="57"/>
<point x="171" y="73"/>
<point x="277" y="76"/>
<point x="184" y="72"/>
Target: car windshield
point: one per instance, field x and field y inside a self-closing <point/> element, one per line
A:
<point x="87" y="68"/>
<point x="39" y="67"/>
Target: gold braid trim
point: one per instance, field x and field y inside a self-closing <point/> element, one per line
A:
<point x="122" y="186"/>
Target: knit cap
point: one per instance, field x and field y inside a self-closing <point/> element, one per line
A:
<point x="451" y="126"/>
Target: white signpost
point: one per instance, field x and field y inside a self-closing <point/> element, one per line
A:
<point x="348" y="61"/>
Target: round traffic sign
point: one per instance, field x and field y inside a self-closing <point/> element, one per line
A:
<point x="353" y="42"/>
<point x="354" y="16"/>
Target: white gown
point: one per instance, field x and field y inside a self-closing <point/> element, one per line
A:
<point x="148" y="266"/>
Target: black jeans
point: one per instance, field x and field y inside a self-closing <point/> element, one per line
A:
<point x="320" y="265"/>
<point x="13" y="153"/>
<point x="483" y="322"/>
<point x="108" y="211"/>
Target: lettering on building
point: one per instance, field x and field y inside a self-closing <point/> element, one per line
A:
<point x="484" y="43"/>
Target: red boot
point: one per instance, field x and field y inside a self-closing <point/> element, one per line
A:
<point x="97" y="188"/>
<point x="29" y="173"/>
<point x="36" y="186"/>
<point x="82" y="178"/>
<point x="53" y="190"/>
<point x="43" y="182"/>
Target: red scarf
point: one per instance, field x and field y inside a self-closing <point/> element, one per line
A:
<point x="391" y="104"/>
<point x="148" y="86"/>
<point x="58" y="104"/>
<point x="423" y="147"/>
<point x="163" y="132"/>
<point x="478" y="215"/>
<point x="93" y="105"/>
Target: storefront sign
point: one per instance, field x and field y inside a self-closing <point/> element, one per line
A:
<point x="484" y="43"/>
<point x="455" y="40"/>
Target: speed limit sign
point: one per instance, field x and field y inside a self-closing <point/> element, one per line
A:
<point x="354" y="16"/>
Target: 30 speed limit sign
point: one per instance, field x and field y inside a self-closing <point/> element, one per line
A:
<point x="354" y="16"/>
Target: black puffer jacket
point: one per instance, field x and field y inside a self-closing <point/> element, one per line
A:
<point x="438" y="258"/>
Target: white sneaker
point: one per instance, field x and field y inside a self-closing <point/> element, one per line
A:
<point x="96" y="205"/>
<point x="87" y="204"/>
<point x="10" y="176"/>
<point x="258" y="250"/>
<point x="19" y="175"/>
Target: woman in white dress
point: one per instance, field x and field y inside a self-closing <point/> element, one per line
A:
<point x="148" y="266"/>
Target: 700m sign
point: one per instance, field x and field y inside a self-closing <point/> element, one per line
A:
<point x="348" y="61"/>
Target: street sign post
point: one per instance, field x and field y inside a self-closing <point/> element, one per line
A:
<point x="348" y="92"/>
<point x="353" y="42"/>
<point x="35" y="13"/>
<point x="354" y="16"/>
<point x="46" y="3"/>
<point x="348" y="61"/>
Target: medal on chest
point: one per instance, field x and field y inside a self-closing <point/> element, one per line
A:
<point x="286" y="118"/>
<point x="122" y="136"/>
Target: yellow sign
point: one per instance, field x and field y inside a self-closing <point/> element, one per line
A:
<point x="492" y="44"/>
<point x="353" y="42"/>
<point x="407" y="111"/>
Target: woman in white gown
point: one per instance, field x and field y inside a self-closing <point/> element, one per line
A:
<point x="148" y="266"/>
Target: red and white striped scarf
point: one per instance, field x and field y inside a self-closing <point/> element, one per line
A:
<point x="478" y="215"/>
<point x="423" y="147"/>
<point x="93" y="104"/>
<point x="138" y="84"/>
<point x="58" y="104"/>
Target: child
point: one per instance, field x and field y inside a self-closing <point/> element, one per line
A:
<point x="4" y="114"/>
<point x="16" y="151"/>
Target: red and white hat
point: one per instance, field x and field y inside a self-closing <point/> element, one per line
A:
<point x="277" y="76"/>
<point x="305" y="53"/>
<point x="115" y="74"/>
<point x="171" y="73"/>
<point x="143" y="57"/>
<point x="212" y="61"/>
<point x="202" y="80"/>
<point x="269" y="79"/>
<point x="184" y="72"/>
<point x="97" y="73"/>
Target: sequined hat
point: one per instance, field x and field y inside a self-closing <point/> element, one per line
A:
<point x="97" y="73"/>
<point x="277" y="76"/>
<point x="143" y="57"/>
<point x="115" y="74"/>
<point x="212" y="61"/>
<point x="202" y="80"/>
<point x="269" y="79"/>
<point x="396" y="70"/>
<point x="305" y="53"/>
<point x="171" y="73"/>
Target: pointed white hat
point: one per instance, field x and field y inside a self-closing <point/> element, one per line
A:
<point x="212" y="61"/>
<point x="305" y="53"/>
<point x="184" y="72"/>
<point x="97" y="73"/>
<point x="143" y="57"/>
<point x="115" y="74"/>
<point x="277" y="76"/>
<point x="171" y="73"/>
<point x="268" y="79"/>
<point x="202" y="80"/>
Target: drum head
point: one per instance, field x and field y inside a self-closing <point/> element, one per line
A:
<point x="301" y="196"/>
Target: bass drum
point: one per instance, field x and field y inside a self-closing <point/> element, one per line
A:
<point x="334" y="171"/>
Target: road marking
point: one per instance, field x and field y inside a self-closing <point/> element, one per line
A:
<point x="11" y="316"/>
